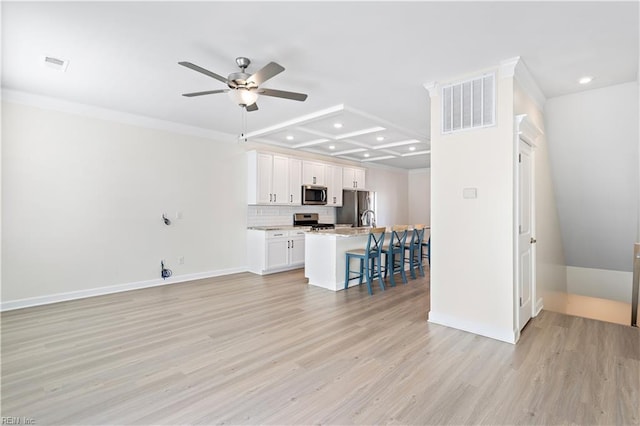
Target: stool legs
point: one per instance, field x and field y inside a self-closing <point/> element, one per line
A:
<point x="367" y="276"/>
<point x="403" y="273"/>
<point x="380" y="280"/>
<point x="390" y="267"/>
<point x="346" y="271"/>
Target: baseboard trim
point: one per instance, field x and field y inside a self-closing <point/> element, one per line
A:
<point x="539" y="307"/>
<point x="504" y="335"/>
<point x="118" y="288"/>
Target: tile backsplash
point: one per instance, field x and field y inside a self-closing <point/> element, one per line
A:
<point x="283" y="215"/>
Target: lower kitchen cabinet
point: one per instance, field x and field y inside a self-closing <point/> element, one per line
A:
<point x="274" y="250"/>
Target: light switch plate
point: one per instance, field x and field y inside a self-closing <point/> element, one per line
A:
<point x="469" y="193"/>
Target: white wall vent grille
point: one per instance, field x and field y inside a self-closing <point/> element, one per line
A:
<point x="469" y="104"/>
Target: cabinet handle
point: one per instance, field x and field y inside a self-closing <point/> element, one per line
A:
<point x="275" y="197"/>
<point x="278" y="235"/>
<point x="334" y="200"/>
<point x="314" y="179"/>
<point x="291" y="243"/>
<point x="291" y="195"/>
<point x="271" y="198"/>
<point x="288" y="244"/>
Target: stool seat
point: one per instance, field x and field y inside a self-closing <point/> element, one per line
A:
<point x="370" y="261"/>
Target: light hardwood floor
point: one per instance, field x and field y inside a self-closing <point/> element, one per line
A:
<point x="245" y="349"/>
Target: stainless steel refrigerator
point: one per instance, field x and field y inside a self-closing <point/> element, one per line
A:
<point x="354" y="204"/>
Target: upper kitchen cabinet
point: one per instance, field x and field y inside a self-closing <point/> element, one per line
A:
<point x="272" y="179"/>
<point x="353" y="178"/>
<point x="313" y="173"/>
<point x="295" y="181"/>
<point x="334" y="186"/>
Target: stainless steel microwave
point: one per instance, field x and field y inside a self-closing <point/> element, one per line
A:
<point x="314" y="195"/>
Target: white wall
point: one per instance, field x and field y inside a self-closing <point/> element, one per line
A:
<point x="593" y="142"/>
<point x="600" y="283"/>
<point x="593" y="139"/>
<point x="472" y="273"/>
<point x="82" y="200"/>
<point x="420" y="196"/>
<point x="391" y="187"/>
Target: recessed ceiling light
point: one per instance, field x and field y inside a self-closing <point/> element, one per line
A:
<point x="366" y="154"/>
<point x="337" y="125"/>
<point x="585" y="80"/>
<point x="380" y="138"/>
<point x="332" y="147"/>
<point x="289" y="138"/>
<point x="412" y="148"/>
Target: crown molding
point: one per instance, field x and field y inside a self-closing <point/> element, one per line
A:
<point x="516" y="68"/>
<point x="507" y="67"/>
<point x="527" y="129"/>
<point x="55" y="104"/>
<point x="431" y="88"/>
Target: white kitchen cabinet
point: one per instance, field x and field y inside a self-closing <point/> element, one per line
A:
<point x="275" y="250"/>
<point x="353" y="178"/>
<point x="277" y="253"/>
<point x="295" y="181"/>
<point x="313" y="173"/>
<point x="280" y="180"/>
<point x="296" y="251"/>
<point x="334" y="185"/>
<point x="272" y="179"/>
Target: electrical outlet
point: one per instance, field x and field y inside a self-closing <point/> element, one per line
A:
<point x="181" y="260"/>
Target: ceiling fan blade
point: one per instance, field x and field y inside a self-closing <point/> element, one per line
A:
<point x="207" y="92"/>
<point x="203" y="71"/>
<point x="283" y="94"/>
<point x="252" y="107"/>
<point x="265" y="73"/>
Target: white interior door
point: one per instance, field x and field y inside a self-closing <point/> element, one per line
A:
<point x="525" y="237"/>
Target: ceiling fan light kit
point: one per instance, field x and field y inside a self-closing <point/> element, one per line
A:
<point x="243" y="87"/>
<point x="243" y="96"/>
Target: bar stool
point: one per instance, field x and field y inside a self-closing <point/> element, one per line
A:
<point x="394" y="253"/>
<point x="426" y="250"/>
<point x="415" y="250"/>
<point x="370" y="260"/>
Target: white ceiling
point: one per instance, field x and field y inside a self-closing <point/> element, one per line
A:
<point x="361" y="63"/>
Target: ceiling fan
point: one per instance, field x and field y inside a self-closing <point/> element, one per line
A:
<point x="245" y="88"/>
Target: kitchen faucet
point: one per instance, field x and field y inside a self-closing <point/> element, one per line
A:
<point x="371" y="222"/>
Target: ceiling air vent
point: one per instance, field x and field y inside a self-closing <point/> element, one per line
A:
<point x="469" y="104"/>
<point x="56" y="63"/>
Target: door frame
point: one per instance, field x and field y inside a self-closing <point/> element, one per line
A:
<point x="527" y="131"/>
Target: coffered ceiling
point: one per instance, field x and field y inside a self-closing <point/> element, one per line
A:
<point x="362" y="63"/>
<point x="344" y="132"/>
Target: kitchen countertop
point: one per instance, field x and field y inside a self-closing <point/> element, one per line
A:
<point x="350" y="232"/>
<point x="279" y="228"/>
<point x="291" y="227"/>
<point x="342" y="232"/>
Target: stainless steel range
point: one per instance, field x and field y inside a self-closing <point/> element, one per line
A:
<point x="310" y="219"/>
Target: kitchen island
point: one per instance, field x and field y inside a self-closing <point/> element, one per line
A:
<point x="324" y="257"/>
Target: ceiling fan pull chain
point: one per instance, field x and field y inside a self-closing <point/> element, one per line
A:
<point x="243" y="124"/>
